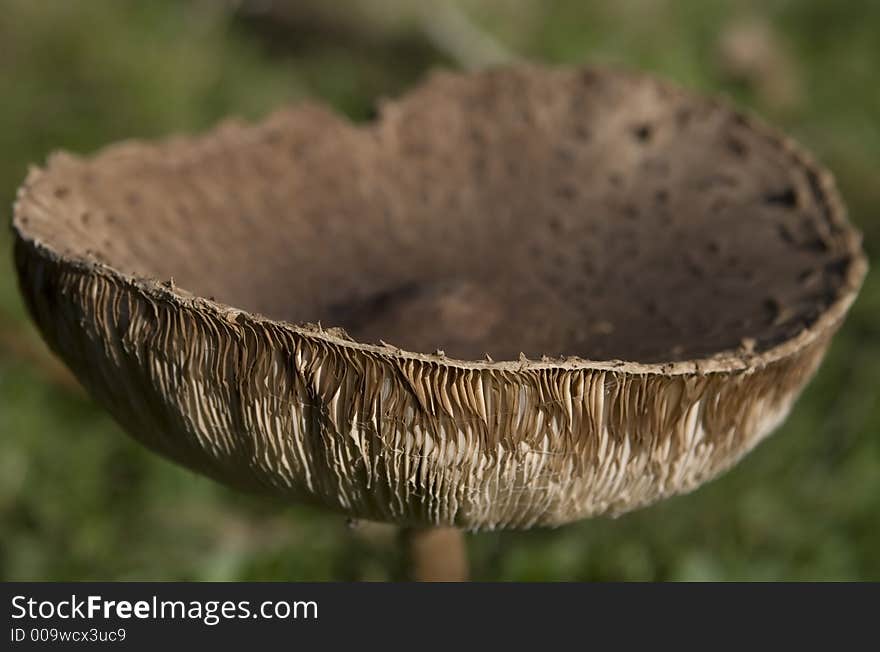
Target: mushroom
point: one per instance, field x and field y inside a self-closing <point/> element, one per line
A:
<point x="518" y="298"/>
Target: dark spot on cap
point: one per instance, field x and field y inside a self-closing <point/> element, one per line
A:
<point x="736" y="147"/>
<point x="786" y="198"/>
<point x="642" y="133"/>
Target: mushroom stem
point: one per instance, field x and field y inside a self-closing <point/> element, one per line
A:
<point x="435" y="554"/>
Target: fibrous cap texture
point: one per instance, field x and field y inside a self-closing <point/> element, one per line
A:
<point x="518" y="297"/>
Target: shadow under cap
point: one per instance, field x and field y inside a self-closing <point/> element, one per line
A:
<point x="688" y="264"/>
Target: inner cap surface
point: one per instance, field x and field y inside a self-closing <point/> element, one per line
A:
<point x="550" y="212"/>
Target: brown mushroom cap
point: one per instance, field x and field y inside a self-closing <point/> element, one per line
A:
<point x="689" y="263"/>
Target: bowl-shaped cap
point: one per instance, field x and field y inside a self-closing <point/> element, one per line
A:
<point x="631" y="285"/>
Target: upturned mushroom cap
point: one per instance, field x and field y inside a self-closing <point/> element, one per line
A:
<point x="683" y="266"/>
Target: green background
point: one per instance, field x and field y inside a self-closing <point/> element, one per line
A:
<point x="80" y="500"/>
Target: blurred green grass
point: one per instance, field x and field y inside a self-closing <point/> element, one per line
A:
<point x="79" y="500"/>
